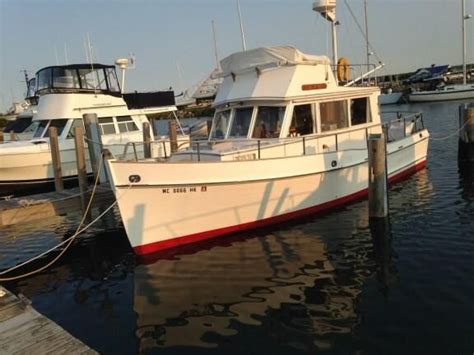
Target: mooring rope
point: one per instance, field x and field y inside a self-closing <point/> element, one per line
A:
<point x="450" y="135"/>
<point x="68" y="241"/>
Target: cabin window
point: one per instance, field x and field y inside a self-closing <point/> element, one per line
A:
<point x="89" y="79"/>
<point x="241" y="123"/>
<point x="333" y="115"/>
<point x="65" y="78"/>
<point x="59" y="124"/>
<point x="75" y="123"/>
<point x="302" y="122"/>
<point x="44" y="79"/>
<point x="126" y="124"/>
<point x="107" y="125"/>
<point x="359" y="112"/>
<point x="221" y="123"/>
<point x="268" y="122"/>
<point x="40" y="129"/>
<point x="112" y="79"/>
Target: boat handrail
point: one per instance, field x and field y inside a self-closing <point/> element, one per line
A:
<point x="261" y="144"/>
<point x="362" y="74"/>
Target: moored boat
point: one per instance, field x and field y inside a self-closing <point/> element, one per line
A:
<point x="450" y="92"/>
<point x="63" y="95"/>
<point x="281" y="146"/>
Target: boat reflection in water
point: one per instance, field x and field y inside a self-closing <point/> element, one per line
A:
<point x="297" y="275"/>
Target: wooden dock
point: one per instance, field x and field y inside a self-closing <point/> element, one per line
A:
<point x="34" y="207"/>
<point x="25" y="331"/>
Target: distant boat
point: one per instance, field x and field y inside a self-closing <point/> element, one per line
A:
<point x="390" y="98"/>
<point x="450" y="92"/>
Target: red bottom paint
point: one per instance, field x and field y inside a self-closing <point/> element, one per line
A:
<point x="192" y="238"/>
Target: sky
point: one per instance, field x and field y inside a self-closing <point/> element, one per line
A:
<point x="173" y="42"/>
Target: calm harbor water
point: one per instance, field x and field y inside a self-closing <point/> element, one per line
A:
<point x="329" y="284"/>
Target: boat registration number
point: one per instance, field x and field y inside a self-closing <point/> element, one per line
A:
<point x="184" y="189"/>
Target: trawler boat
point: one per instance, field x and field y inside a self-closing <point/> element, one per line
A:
<point x="64" y="94"/>
<point x="286" y="141"/>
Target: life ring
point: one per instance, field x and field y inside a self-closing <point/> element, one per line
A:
<point x="343" y="69"/>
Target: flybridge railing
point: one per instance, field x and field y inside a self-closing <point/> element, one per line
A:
<point x="265" y="148"/>
<point x="356" y="74"/>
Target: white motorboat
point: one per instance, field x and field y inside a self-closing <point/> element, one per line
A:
<point x="450" y="92"/>
<point x="444" y="93"/>
<point x="64" y="94"/>
<point x="286" y="141"/>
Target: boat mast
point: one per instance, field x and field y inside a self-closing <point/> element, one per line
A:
<point x="464" y="19"/>
<point x="242" y="34"/>
<point x="367" y="36"/>
<point x="218" y="66"/>
<point x="327" y="9"/>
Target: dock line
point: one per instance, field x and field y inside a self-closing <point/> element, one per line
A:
<point x="449" y="135"/>
<point x="69" y="240"/>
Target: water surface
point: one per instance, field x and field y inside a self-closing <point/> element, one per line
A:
<point x="329" y="284"/>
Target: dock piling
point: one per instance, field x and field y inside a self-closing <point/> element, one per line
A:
<point x="81" y="165"/>
<point x="1" y="137"/>
<point x="56" y="157"/>
<point x="378" y="197"/>
<point x="12" y="136"/>
<point x="466" y="132"/>
<point x="94" y="144"/>
<point x="173" y="136"/>
<point x="146" y="140"/>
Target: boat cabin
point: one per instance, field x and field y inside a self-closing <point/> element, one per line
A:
<point x="278" y="95"/>
<point x="65" y="93"/>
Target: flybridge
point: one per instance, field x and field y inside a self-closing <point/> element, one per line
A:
<point x="273" y="73"/>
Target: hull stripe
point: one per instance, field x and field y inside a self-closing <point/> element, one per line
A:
<point x="183" y="240"/>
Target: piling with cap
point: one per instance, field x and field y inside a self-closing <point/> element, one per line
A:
<point x="56" y="158"/>
<point x="173" y="134"/>
<point x="146" y="140"/>
<point x="378" y="189"/>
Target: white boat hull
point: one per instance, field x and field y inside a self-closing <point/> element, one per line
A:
<point x="26" y="163"/>
<point x="442" y="95"/>
<point x="176" y="204"/>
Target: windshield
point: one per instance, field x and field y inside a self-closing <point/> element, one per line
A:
<point x="241" y="122"/>
<point x="268" y="122"/>
<point x="42" y="132"/>
<point x="221" y="123"/>
<point x="19" y="125"/>
<point x="40" y="129"/>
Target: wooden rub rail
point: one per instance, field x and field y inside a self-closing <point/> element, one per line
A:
<point x="25" y="331"/>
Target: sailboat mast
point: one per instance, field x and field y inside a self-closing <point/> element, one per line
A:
<point x="367" y="35"/>
<point x="464" y="18"/>
<point x="215" y="45"/>
<point x="242" y="34"/>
